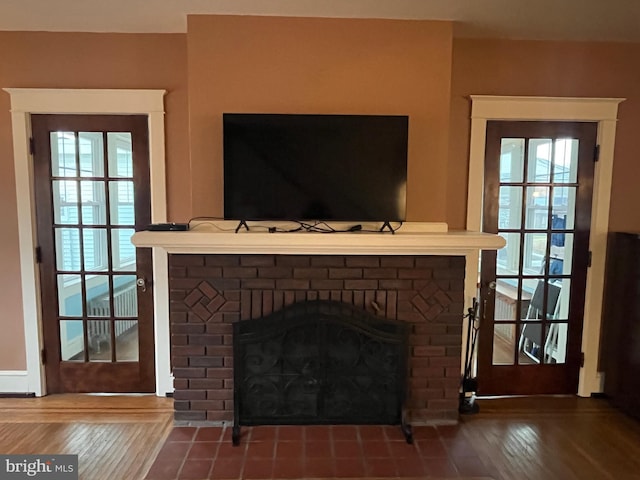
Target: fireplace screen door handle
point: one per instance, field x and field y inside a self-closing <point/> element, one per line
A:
<point x="141" y="283"/>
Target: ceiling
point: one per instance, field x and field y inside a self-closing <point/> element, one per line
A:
<point x="594" y="20"/>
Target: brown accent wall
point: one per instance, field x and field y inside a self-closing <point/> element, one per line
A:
<point x="537" y="68"/>
<point x="294" y="65"/>
<point x="320" y="65"/>
<point x="208" y="293"/>
<point x="78" y="60"/>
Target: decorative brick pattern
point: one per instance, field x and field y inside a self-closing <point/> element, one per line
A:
<point x="210" y="292"/>
<point x="204" y="301"/>
<point x="431" y="301"/>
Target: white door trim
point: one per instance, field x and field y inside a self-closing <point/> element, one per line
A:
<point x="27" y="101"/>
<point x="604" y="112"/>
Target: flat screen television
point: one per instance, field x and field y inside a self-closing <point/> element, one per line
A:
<point x="315" y="167"/>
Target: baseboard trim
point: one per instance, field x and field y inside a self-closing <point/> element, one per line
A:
<point x="14" y="382"/>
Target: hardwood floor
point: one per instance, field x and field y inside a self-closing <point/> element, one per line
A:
<point x="116" y="437"/>
<point x="534" y="438"/>
<point x="548" y="437"/>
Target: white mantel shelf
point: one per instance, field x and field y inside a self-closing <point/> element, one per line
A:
<point x="411" y="239"/>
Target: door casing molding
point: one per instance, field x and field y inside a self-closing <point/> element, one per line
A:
<point x="27" y="101"/>
<point x="604" y="112"/>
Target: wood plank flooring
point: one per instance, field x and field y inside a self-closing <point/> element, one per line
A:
<point x="115" y="437"/>
<point x="564" y="438"/>
<point x="534" y="438"/>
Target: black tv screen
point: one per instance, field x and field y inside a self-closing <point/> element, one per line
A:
<point x="315" y="167"/>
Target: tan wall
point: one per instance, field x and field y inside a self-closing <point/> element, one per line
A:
<point x="287" y="65"/>
<point x="501" y="67"/>
<point x="304" y="65"/>
<point x="63" y="60"/>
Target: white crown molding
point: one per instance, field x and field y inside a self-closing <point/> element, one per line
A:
<point x="493" y="107"/>
<point x="86" y="101"/>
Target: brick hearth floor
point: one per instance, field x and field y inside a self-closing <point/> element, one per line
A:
<point x="288" y="452"/>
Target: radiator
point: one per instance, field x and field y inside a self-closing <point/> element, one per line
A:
<point x="505" y="310"/>
<point x="125" y="304"/>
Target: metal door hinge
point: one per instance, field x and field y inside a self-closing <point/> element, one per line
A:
<point x="596" y="153"/>
<point x="38" y="255"/>
<point x="581" y="359"/>
<point x="32" y="146"/>
<point x="43" y="356"/>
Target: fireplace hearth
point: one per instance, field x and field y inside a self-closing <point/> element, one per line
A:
<point x="320" y="362"/>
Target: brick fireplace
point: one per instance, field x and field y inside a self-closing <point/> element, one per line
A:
<point x="210" y="277"/>
<point x="209" y="292"/>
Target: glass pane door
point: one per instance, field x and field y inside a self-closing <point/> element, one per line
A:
<point x="538" y="184"/>
<point x="537" y="192"/>
<point x="93" y="203"/>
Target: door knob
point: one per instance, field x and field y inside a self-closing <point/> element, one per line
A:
<point x="141" y="283"/>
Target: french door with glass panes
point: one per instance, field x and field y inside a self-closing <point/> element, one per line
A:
<point x="538" y="192"/>
<point x="92" y="192"/>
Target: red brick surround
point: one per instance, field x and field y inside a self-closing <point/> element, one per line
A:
<point x="210" y="292"/>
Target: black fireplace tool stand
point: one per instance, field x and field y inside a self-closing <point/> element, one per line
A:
<point x="469" y="383"/>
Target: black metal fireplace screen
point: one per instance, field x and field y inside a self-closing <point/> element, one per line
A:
<point x="320" y="362"/>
